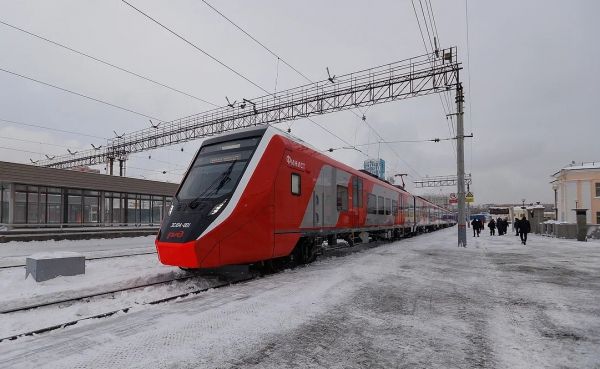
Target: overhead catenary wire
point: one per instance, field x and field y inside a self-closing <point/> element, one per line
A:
<point x="469" y="82"/>
<point x="287" y="64"/>
<point x="446" y="104"/>
<point x="106" y="63"/>
<point x="393" y="142"/>
<point x="79" y="94"/>
<point x="13" y="122"/>
<point x="197" y="48"/>
<point x="258" y="42"/>
<point x="220" y="62"/>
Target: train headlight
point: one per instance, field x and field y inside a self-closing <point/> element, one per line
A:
<point x="217" y="207"/>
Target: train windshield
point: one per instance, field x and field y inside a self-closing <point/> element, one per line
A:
<point x="217" y="169"/>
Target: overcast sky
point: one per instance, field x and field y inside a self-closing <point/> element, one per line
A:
<point x="533" y="68"/>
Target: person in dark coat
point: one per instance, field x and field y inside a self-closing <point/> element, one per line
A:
<point x="500" y="225"/>
<point x="492" y="227"/>
<point x="516" y="226"/>
<point x="524" y="228"/>
<point x="475" y="225"/>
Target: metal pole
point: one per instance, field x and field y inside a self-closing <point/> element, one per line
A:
<point x="460" y="164"/>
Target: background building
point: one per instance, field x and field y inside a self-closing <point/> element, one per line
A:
<point x="44" y="197"/>
<point x="578" y="186"/>
<point x="375" y="166"/>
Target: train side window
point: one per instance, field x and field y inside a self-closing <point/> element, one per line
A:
<point x="380" y="205"/>
<point x="342" y="198"/>
<point x="394" y="207"/>
<point x="388" y="206"/>
<point x="371" y="204"/>
<point x="296" y="184"/>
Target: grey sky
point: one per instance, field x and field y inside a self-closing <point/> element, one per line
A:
<point x="533" y="68"/>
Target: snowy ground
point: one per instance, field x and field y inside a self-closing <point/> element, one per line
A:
<point x="417" y="303"/>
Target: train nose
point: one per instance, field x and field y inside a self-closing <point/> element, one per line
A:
<point x="192" y="254"/>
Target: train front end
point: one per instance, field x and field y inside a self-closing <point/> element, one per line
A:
<point x="187" y="237"/>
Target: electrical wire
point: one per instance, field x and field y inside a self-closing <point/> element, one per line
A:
<point x="49" y="128"/>
<point x="80" y="94"/>
<point x="38" y="142"/>
<point x="197" y="48"/>
<point x="106" y="63"/>
<point x="395" y="141"/>
<point x="222" y="63"/>
<point x="258" y="42"/>
<point x="469" y="82"/>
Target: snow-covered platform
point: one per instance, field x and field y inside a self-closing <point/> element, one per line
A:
<point x="420" y="302"/>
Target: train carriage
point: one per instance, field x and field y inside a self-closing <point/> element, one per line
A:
<point x="260" y="194"/>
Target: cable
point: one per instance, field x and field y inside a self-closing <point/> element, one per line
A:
<point x="38" y="142"/>
<point x="106" y="63"/>
<point x="197" y="48"/>
<point x="426" y="26"/>
<point x="21" y="150"/>
<point x="469" y="82"/>
<point x="258" y="42"/>
<point x="220" y="62"/>
<point x="49" y="128"/>
<point x="395" y="141"/>
<point x="79" y="94"/>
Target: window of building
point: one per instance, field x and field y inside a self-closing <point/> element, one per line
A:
<point x="91" y="209"/>
<point x="74" y="211"/>
<point x="157" y="209"/>
<point x="598" y="217"/>
<point x="4" y="204"/>
<point x="133" y="208"/>
<point x="342" y="198"/>
<point x="145" y="215"/>
<point x="380" y="205"/>
<point x="54" y="201"/>
<point x="598" y="189"/>
<point x="32" y="207"/>
<point x="371" y="204"/>
<point x="296" y="185"/>
<point x="20" y="207"/>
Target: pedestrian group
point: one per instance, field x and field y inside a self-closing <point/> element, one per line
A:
<point x="521" y="226"/>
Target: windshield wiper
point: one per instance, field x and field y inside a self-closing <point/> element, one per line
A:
<point x="222" y="179"/>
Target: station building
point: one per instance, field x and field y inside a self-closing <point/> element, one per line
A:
<point x="34" y="197"/>
<point x="577" y="186"/>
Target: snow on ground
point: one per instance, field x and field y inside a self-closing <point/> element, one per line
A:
<point x="14" y="253"/>
<point x="421" y="302"/>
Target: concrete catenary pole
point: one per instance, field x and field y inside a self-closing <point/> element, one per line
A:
<point x="460" y="166"/>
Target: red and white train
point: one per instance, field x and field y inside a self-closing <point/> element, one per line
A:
<point x="260" y="195"/>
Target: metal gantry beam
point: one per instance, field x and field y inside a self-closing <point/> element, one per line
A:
<point x="441" y="181"/>
<point x="418" y="76"/>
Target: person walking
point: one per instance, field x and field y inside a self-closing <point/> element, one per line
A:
<point x="474" y="226"/>
<point x="516" y="226"/>
<point x="492" y="227"/>
<point x="524" y="228"/>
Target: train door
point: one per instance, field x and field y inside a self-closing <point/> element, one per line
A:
<point x="357" y="201"/>
<point x="318" y="201"/>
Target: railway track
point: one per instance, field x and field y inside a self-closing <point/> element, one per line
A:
<point x="341" y="250"/>
<point x="92" y="258"/>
